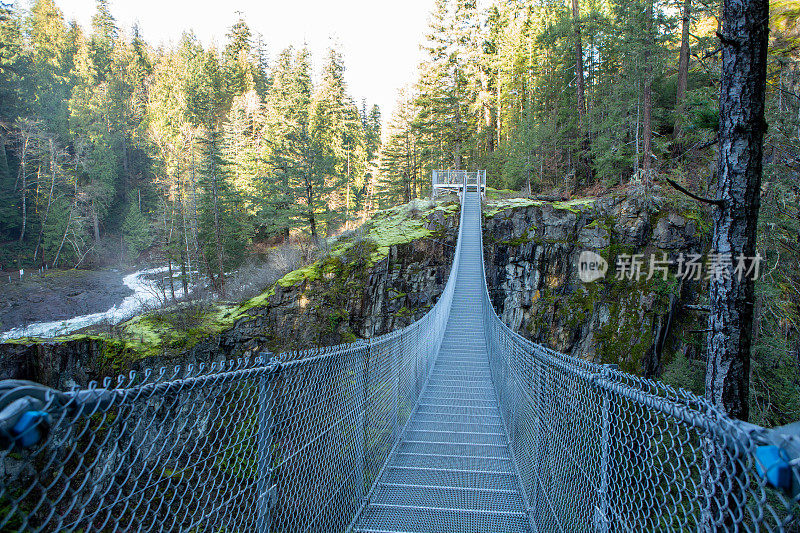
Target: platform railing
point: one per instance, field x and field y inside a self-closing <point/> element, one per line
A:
<point x="458" y="180"/>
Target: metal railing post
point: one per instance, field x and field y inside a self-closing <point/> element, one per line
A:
<point x="396" y="386"/>
<point x="512" y="378"/>
<point x="601" y="515"/>
<point x="537" y="441"/>
<point x="362" y="437"/>
<point x="264" y="488"/>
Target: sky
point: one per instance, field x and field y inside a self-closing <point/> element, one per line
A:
<point x="379" y="39"/>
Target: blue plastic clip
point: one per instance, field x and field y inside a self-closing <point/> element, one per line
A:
<point x="28" y="429"/>
<point x="773" y="465"/>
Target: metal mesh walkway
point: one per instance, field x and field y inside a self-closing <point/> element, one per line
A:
<point x="452" y="469"/>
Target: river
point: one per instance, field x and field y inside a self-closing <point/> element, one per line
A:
<point x="143" y="291"/>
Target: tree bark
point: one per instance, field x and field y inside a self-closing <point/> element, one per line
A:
<point x="683" y="70"/>
<point x="312" y="219"/>
<point x="741" y="136"/>
<point x="457" y="145"/>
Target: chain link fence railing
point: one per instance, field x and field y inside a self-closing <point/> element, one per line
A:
<point x="602" y="450"/>
<point x="295" y="443"/>
<point x="286" y="443"/>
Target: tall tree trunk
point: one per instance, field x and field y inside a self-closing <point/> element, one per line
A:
<point x="683" y="70"/>
<point x="95" y="224"/>
<point x="347" y="198"/>
<point x="66" y="229"/>
<point x="215" y="207"/>
<point x="489" y="118"/>
<point x="647" y="99"/>
<point x="217" y="232"/>
<point x="647" y="131"/>
<point x="579" y="81"/>
<point x="638" y="127"/>
<point x="24" y="191"/>
<point x="457" y="145"/>
<point x="49" y="198"/>
<point x="741" y="134"/>
<point x="584" y="163"/>
<point x="196" y="249"/>
<point x="169" y="249"/>
<point x="63" y="238"/>
<point x="184" y="280"/>
<point x="312" y="219"/>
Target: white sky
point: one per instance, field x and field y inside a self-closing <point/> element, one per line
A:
<point x="379" y="39"/>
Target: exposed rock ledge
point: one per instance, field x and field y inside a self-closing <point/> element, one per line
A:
<point x="532" y="251"/>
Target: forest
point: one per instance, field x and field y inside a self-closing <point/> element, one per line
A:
<point x="112" y="149"/>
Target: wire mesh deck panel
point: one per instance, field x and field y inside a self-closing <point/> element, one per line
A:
<point x="494" y="434"/>
<point x="452" y="469"/>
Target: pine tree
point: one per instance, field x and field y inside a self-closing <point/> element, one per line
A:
<point x="102" y="42"/>
<point x="238" y="65"/>
<point x="297" y="155"/>
<point x="401" y="156"/>
<point x="50" y="82"/>
<point x="337" y="140"/>
<point x="94" y="118"/>
<point x="13" y="67"/>
<point x="286" y="112"/>
<point x="244" y="150"/>
<point x="223" y="235"/>
<point x="136" y="230"/>
<point x="447" y="84"/>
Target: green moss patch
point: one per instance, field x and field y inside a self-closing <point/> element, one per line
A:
<point x="574" y="206"/>
<point x="387" y="228"/>
<point x="176" y="329"/>
<point x="493" y="206"/>
<point x="497" y="194"/>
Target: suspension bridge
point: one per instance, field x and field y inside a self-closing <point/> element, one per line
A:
<point x="454" y="423"/>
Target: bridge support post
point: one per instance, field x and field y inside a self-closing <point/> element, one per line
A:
<point x="265" y="490"/>
<point x="602" y="524"/>
<point x="536" y="486"/>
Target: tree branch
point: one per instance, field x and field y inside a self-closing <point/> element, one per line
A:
<point x="718" y="203"/>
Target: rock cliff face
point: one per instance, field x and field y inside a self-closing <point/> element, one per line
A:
<point x="531" y="249"/>
<point x="351" y="295"/>
<point x="643" y="325"/>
